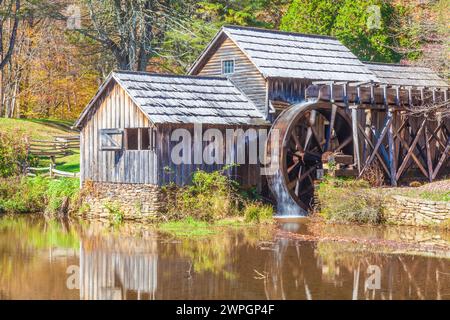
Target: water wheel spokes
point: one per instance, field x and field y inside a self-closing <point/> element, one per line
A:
<point x="308" y="130"/>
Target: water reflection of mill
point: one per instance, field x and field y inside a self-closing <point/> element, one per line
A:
<point x="237" y="266"/>
<point x="331" y="270"/>
<point x="114" y="275"/>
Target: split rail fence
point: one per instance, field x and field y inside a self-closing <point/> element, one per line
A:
<point x="60" y="146"/>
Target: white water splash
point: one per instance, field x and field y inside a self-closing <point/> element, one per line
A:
<point x="286" y="206"/>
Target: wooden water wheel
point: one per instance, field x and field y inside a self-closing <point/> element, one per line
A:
<point x="307" y="133"/>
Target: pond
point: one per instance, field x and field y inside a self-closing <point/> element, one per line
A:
<point x="294" y="259"/>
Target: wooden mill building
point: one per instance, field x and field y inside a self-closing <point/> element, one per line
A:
<point x="314" y="90"/>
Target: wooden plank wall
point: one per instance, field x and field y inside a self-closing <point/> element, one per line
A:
<point x="246" y="76"/>
<point x="247" y="175"/>
<point x="115" y="110"/>
<point x="288" y="90"/>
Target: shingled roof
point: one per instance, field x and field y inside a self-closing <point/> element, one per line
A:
<point x="184" y="99"/>
<point x="279" y="54"/>
<point x="404" y="75"/>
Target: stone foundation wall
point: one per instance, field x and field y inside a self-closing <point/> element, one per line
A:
<point x="136" y="201"/>
<point x="416" y="212"/>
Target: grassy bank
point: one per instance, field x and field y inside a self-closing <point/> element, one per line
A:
<point x="213" y="200"/>
<point x="349" y="201"/>
<point x="16" y="130"/>
<point x="39" y="194"/>
<point x="435" y="191"/>
<point x="354" y="201"/>
<point x="190" y="227"/>
<point x="212" y="197"/>
<point x="40" y="129"/>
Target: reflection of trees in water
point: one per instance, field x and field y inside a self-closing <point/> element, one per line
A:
<point x="242" y="263"/>
<point x="236" y="263"/>
<point x="332" y="270"/>
<point x="34" y="254"/>
<point x="39" y="233"/>
<point x="122" y="266"/>
<point x="218" y="253"/>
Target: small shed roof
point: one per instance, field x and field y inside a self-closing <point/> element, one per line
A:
<point x="404" y="75"/>
<point x="279" y="54"/>
<point x="168" y="98"/>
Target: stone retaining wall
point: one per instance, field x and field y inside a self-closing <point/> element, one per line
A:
<point x="136" y="201"/>
<point x="416" y="212"/>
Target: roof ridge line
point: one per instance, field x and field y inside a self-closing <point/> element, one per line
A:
<point x="169" y="75"/>
<point x="394" y="64"/>
<point x="312" y="35"/>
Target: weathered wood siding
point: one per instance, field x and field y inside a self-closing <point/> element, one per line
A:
<point x="115" y="110"/>
<point x="246" y="76"/>
<point x="288" y="90"/>
<point x="181" y="174"/>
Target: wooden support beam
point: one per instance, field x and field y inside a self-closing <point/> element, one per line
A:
<point x="434" y="135"/>
<point x="346" y="95"/>
<point x="441" y="160"/>
<point x="331" y="93"/>
<point x="385" y="99"/>
<point x="410" y="151"/>
<point x="429" y="160"/>
<point x="356" y="139"/>
<point x="369" y="94"/>
<point x="361" y="130"/>
<point x="414" y="157"/>
<point x="382" y="149"/>
<point x="358" y="95"/>
<point x="392" y="151"/>
<point x="344" y="144"/>
<point x="372" y="94"/>
<point x="331" y="127"/>
<point x="402" y="126"/>
<point x="377" y="145"/>
<point x="410" y="99"/>
<point x="397" y="96"/>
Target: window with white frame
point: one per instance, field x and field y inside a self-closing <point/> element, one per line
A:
<point x="227" y="66"/>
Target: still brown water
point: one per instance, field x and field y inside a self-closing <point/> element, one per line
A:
<point x="53" y="260"/>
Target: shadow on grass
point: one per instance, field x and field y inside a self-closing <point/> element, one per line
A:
<point x="64" y="125"/>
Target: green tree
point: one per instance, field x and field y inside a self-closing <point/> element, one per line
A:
<point x="362" y="25"/>
<point x="311" y="16"/>
<point x="201" y="20"/>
